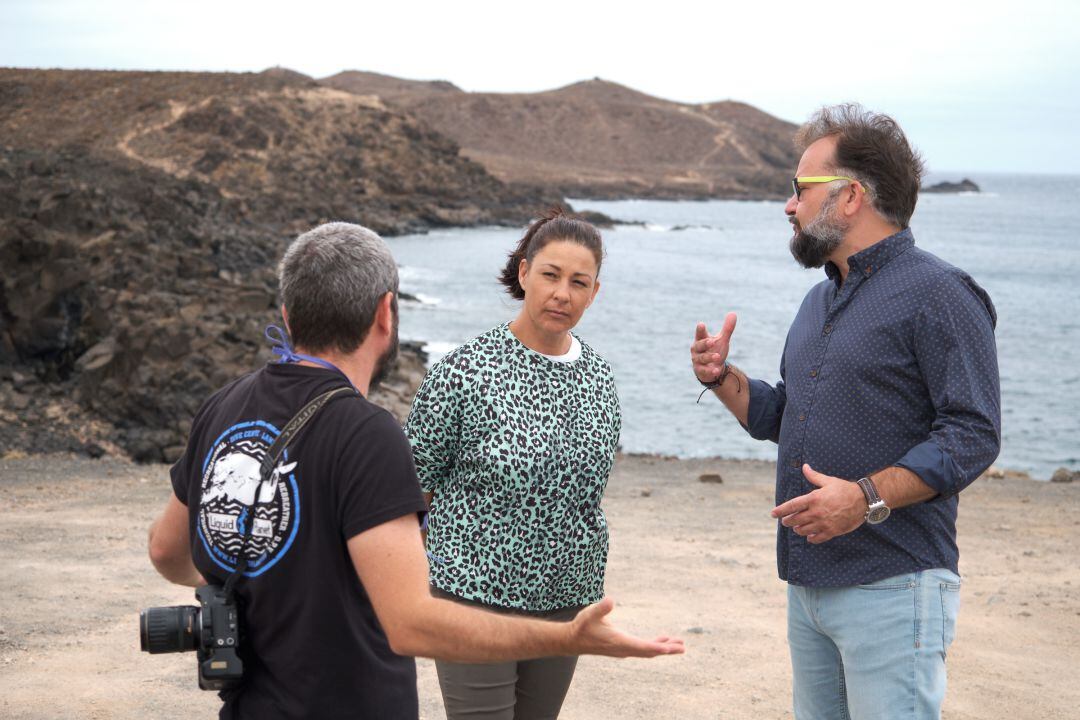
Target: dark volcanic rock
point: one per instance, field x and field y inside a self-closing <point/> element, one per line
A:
<point x="141" y="219"/>
<point x="1064" y="475"/>
<point x="598" y="219"/>
<point x="128" y="296"/>
<point x="964" y="185"/>
<point x="101" y="259"/>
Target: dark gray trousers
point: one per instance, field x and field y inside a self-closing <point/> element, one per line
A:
<point x="517" y="690"/>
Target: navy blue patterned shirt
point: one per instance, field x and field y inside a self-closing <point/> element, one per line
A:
<point x="896" y="366"/>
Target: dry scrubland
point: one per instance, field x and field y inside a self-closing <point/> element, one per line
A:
<point x="687" y="557"/>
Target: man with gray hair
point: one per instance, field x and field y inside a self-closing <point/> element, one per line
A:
<point x="332" y="572"/>
<point x="887" y="406"/>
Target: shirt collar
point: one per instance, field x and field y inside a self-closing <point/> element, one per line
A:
<point x="872" y="259"/>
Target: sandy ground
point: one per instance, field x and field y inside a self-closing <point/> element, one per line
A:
<point x="690" y="558"/>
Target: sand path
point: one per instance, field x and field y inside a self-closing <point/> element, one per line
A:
<point x="687" y="557"/>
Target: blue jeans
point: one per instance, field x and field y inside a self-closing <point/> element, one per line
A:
<point x="875" y="651"/>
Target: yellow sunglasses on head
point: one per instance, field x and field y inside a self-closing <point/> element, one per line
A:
<point x="797" y="182"/>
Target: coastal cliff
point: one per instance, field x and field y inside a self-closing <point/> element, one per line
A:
<point x="141" y="219"/>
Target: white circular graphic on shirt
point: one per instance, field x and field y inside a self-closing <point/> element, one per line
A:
<point x="233" y="496"/>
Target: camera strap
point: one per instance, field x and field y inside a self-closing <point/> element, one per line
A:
<point x="269" y="466"/>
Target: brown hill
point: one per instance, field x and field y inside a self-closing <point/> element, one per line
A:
<point x="288" y="74"/>
<point x="388" y="87"/>
<point x="600" y="139"/>
<point x="293" y="151"/>
<point x="141" y="217"/>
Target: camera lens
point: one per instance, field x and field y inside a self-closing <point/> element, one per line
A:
<point x="168" y="629"/>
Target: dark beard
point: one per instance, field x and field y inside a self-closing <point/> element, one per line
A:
<point x="387" y="361"/>
<point x="812" y="246"/>
<point x="812" y="251"/>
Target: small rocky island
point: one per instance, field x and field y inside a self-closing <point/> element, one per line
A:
<point x="963" y="186"/>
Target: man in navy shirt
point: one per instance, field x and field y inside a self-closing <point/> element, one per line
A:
<point x="887" y="407"/>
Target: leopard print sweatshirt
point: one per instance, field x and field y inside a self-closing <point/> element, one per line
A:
<point x="516" y="448"/>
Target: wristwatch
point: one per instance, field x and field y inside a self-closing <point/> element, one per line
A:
<point x="876" y="509"/>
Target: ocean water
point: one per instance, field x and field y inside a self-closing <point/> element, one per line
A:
<point x="696" y="261"/>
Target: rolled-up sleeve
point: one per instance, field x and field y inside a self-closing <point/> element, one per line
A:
<point x="957" y="355"/>
<point x="766" y="410"/>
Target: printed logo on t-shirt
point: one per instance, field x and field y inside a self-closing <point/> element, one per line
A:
<point x="233" y="496"/>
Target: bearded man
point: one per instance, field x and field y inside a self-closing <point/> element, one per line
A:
<point x="887" y="407"/>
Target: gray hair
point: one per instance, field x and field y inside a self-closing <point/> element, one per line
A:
<point x="332" y="278"/>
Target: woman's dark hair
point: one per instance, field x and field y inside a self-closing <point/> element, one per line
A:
<point x="871" y="148"/>
<point x="555" y="224"/>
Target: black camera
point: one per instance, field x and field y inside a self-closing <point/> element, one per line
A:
<point x="213" y="630"/>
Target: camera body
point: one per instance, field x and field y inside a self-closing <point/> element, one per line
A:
<point x="212" y="629"/>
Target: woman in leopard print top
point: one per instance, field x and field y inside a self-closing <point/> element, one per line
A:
<point x="514" y="434"/>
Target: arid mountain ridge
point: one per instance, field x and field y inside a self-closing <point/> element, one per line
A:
<point x="289" y="149"/>
<point x="142" y="215"/>
<point x="599" y="139"/>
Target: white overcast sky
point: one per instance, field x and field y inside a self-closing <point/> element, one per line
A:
<point x="979" y="86"/>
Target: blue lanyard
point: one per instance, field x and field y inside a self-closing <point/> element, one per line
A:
<point x="280" y="346"/>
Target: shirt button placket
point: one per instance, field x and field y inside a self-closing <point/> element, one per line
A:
<point x="795" y="545"/>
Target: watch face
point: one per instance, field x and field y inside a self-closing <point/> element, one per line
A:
<point x="877" y="514"/>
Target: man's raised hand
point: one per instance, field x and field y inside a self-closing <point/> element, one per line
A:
<point x="708" y="353"/>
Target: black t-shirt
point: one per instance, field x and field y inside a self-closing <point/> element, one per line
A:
<point x="312" y="646"/>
